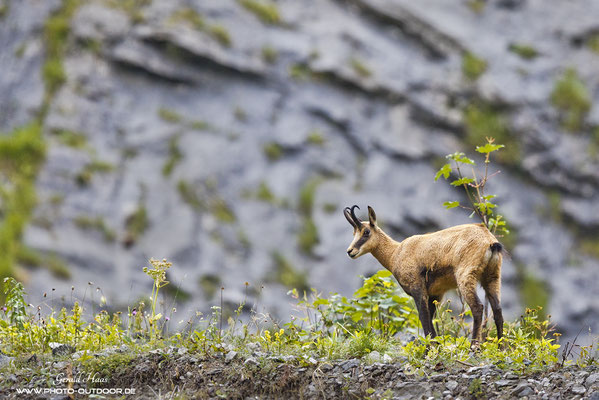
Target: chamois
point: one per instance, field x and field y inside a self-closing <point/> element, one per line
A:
<point x="426" y="266"/>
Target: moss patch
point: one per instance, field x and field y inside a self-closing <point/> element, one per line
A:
<point x="572" y="99"/>
<point x="316" y="138"/>
<point x="209" y="283"/>
<point x="269" y="54"/>
<point x="360" y="68"/>
<point x="174" y="156"/>
<point x="85" y="176"/>
<point x="308" y="234"/>
<point x="192" y="18"/>
<point x="525" y="51"/>
<point x="95" y="224"/>
<point x="76" y="140"/>
<point x="481" y="121"/>
<point x="273" y="151"/>
<point x="590" y="246"/>
<point x="135" y="225"/>
<point x="266" y="11"/>
<point x="169" y="115"/>
<point x="472" y="66"/>
<point x="206" y="200"/>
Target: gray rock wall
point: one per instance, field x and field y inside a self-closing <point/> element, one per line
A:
<point x="239" y="141"/>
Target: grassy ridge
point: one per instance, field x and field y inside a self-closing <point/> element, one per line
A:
<point x="332" y="328"/>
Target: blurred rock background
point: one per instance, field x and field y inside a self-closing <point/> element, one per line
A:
<point x="227" y="136"/>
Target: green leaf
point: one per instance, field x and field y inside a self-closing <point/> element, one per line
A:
<point x="356" y="316"/>
<point x="463" y="181"/>
<point x="451" y="204"/>
<point x="443" y="171"/>
<point x="489" y="148"/>
<point x="460" y="157"/>
<point x="319" y="302"/>
<point x="489" y="197"/>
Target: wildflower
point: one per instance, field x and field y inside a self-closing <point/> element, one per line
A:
<point x="4" y="309"/>
<point x="166" y="318"/>
<point x="134" y="312"/>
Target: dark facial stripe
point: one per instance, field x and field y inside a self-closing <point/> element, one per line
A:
<point x="360" y="242"/>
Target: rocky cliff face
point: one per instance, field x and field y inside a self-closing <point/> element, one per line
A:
<point x="227" y="136"/>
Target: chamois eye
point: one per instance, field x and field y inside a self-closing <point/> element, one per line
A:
<point x="367" y="232"/>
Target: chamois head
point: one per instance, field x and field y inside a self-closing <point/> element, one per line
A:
<point x="366" y="234"/>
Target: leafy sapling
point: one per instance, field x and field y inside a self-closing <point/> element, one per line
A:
<point x="480" y="203"/>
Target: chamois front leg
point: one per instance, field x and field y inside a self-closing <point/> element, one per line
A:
<point x="422" y="302"/>
<point x="432" y="308"/>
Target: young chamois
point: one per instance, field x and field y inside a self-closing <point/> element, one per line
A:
<point x="427" y="266"/>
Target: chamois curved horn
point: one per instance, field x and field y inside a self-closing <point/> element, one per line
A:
<point x="346" y="212"/>
<point x="353" y="216"/>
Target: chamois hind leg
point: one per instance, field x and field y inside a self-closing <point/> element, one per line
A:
<point x="467" y="288"/>
<point x="493" y="290"/>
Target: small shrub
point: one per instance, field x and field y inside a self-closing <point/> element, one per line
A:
<point x="479" y="202"/>
<point x="472" y="66"/>
<point x="482" y="121"/>
<point x="476" y="6"/>
<point x="316" y="138"/>
<point x="84" y="177"/>
<point x="571" y="97"/>
<point x="222" y="212"/>
<point x="240" y="114"/>
<point x="221" y="34"/>
<point x="273" y="151"/>
<point x="174" y="156"/>
<point x="97" y="224"/>
<point x="269" y="54"/>
<point x="360" y="68"/>
<point x="189" y="196"/>
<point x="300" y="72"/>
<point x="190" y="16"/>
<point x="590" y="246"/>
<point x="593" y="43"/>
<point x="266" y="11"/>
<point x="308" y="236"/>
<point x="136" y="224"/>
<point x="169" y="116"/>
<point x="264" y="193"/>
<point x="525" y="51"/>
<point x="199" y="125"/>
<point x="76" y="140"/>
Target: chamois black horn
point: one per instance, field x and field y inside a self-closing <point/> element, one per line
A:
<point x="346" y="212"/>
<point x="353" y="216"/>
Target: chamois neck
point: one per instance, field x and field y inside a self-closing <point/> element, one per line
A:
<point x="385" y="250"/>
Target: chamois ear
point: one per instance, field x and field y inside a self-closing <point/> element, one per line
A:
<point x="371" y="216"/>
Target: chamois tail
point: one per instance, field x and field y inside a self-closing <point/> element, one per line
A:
<point x="496" y="247"/>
